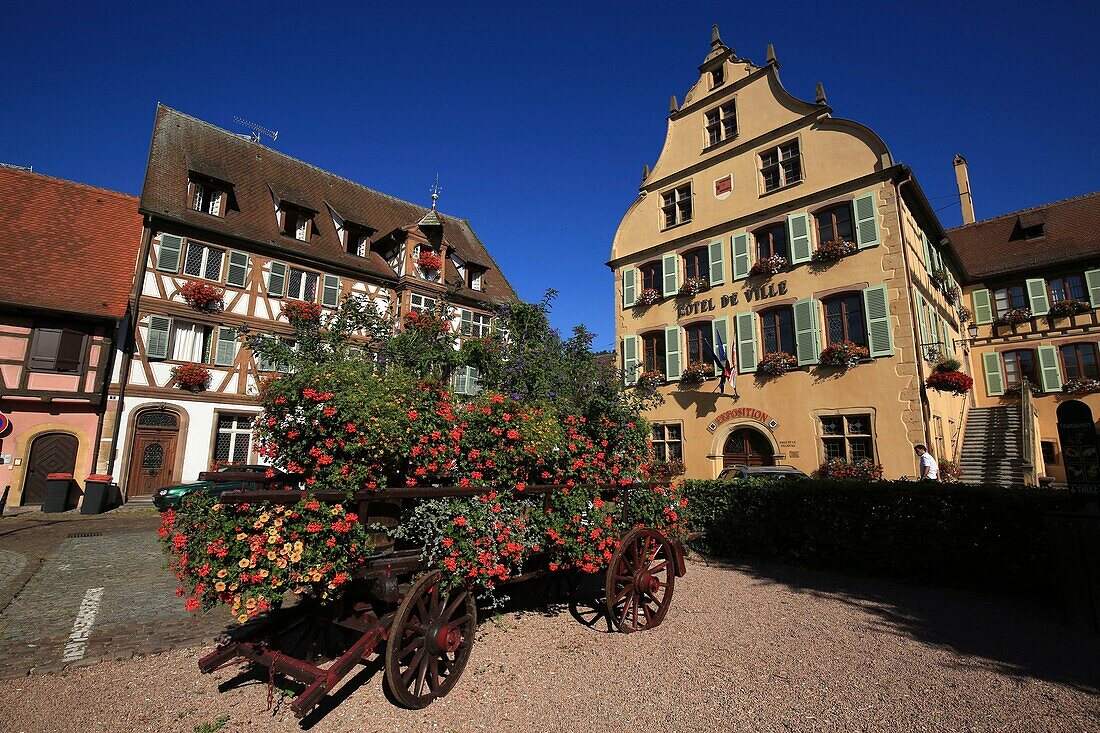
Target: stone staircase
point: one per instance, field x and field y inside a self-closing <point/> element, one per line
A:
<point x="991" y="450"/>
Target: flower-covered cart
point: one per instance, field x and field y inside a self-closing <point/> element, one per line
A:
<point x="397" y="598"/>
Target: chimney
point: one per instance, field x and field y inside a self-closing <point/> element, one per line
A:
<point x="962" y="179"/>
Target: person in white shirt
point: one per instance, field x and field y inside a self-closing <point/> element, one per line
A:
<point x="929" y="467"/>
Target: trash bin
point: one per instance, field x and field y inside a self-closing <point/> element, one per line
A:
<point x="97" y="493"/>
<point x="59" y="486"/>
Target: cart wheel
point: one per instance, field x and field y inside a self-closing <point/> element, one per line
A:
<point x="640" y="580"/>
<point x="429" y="641"/>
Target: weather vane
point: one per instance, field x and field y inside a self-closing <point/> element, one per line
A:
<point x="435" y="191"/>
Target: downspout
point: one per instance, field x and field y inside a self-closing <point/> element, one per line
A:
<point x="926" y="414"/>
<point x="106" y="376"/>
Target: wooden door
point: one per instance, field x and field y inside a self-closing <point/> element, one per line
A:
<point x="50" y="453"/>
<point x="152" y="452"/>
<point x="747" y="447"/>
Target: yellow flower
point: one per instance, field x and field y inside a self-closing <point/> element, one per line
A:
<point x="281" y="562"/>
<point x="257" y="524"/>
<point x="251" y="563"/>
<point x="219" y="586"/>
<point x="222" y="573"/>
<point x="243" y="563"/>
<point x="242" y="536"/>
<point x="265" y="517"/>
<point x="243" y="618"/>
<point x="296" y="557"/>
<point x="263" y="573"/>
<point x="298" y="546"/>
<point x="271" y="540"/>
<point x="278" y="523"/>
<point x="250" y="603"/>
<point x="271" y="554"/>
<point x="336" y="510"/>
<point x="232" y="586"/>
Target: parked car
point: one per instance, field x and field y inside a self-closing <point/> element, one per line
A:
<point x="170" y="496"/>
<point x="737" y="473"/>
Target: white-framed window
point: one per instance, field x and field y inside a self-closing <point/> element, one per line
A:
<point x="478" y="325"/>
<point x="301" y="285"/>
<point x="667" y="440"/>
<point x="203" y="261"/>
<point x="467" y="381"/>
<point x="207" y="198"/>
<point x="421" y="303"/>
<point x="781" y="166"/>
<point x="847" y="437"/>
<point x="295" y="221"/>
<point x="233" y="438"/>
<point x="721" y="123"/>
<point x="676" y="205"/>
<point x="191" y="341"/>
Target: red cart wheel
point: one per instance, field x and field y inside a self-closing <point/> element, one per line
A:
<point x="429" y="641"/>
<point x="640" y="581"/>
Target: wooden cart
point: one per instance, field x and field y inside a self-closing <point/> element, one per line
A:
<point x="427" y="628"/>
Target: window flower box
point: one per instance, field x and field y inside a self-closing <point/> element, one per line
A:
<point x="299" y="311"/>
<point x="951" y="294"/>
<point x="429" y="261"/>
<point x="769" y="266"/>
<point x="694" y="285"/>
<point x="191" y="377"/>
<point x="665" y="470"/>
<point x="954" y="382"/>
<point x="776" y="363"/>
<point x="696" y="374"/>
<point x="648" y="297"/>
<point x="833" y="250"/>
<point x="862" y="470"/>
<point x="649" y="381"/>
<point x="1017" y="316"/>
<point x="1069" y="307"/>
<point x="1081" y="386"/>
<point x="939" y="277"/>
<point x="203" y="296"/>
<point x="844" y="354"/>
<point x="963" y="313"/>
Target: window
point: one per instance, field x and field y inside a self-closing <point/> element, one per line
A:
<point x="697" y="263"/>
<point x="1033" y="231"/>
<point x="207" y="197"/>
<point x="474" y="277"/>
<point x="203" y="261"/>
<point x="777" y="326"/>
<point x="721" y="123"/>
<point x="653" y="352"/>
<point x="651" y="276"/>
<point x="466" y="380"/>
<point x="1067" y="287"/>
<point x="301" y="285"/>
<point x="717" y="77"/>
<point x="698" y="344"/>
<point x="233" y="441"/>
<point x="479" y="325"/>
<point x="771" y="241"/>
<point x="941" y="445"/>
<point x="667" y="441"/>
<point x="844" y="319"/>
<point x="421" y="303"/>
<point x="295" y="221"/>
<point x="847" y="437"/>
<point x="781" y="166"/>
<point x="56" y="348"/>
<point x="676" y="205"/>
<point x="1079" y="361"/>
<point x="191" y="342"/>
<point x="1019" y="364"/>
<point x="1008" y="298"/>
<point x="356" y="239"/>
<point x="835" y="222"/>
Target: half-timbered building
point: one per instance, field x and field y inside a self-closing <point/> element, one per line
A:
<point x="234" y="231"/>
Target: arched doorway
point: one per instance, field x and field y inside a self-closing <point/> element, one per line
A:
<point x="152" y="452"/>
<point x="1077" y="433"/>
<point x="747" y="447"/>
<point x="50" y="453"/>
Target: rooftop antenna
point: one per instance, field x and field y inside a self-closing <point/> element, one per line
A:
<point x="435" y="191"/>
<point x="257" y="130"/>
<point x="13" y="166"/>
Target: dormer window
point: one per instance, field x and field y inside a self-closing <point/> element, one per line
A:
<point x="356" y="240"/>
<point x="296" y="222"/>
<point x="1034" y="231"/>
<point x="717" y="77"/>
<point x="474" y="278"/>
<point x="207" y="195"/>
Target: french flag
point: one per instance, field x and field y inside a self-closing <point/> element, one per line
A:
<point x="723" y="362"/>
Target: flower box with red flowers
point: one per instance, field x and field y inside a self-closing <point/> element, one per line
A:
<point x="648" y="297"/>
<point x="696" y="374"/>
<point x="693" y="286"/>
<point x="1069" y="307"/>
<point x="777" y="363"/>
<point x="843" y="354"/>
<point x="429" y="261"/>
<point x="1017" y="316"/>
<point x="954" y="382"/>
<point x="301" y="311"/>
<point x="203" y="296"/>
<point x="769" y="265"/>
<point x="649" y="381"/>
<point x="665" y="470"/>
<point x="191" y="377"/>
<point x="861" y="470"/>
<point x="833" y="250"/>
<point x="1081" y="386"/>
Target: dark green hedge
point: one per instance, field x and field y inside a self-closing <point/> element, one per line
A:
<point x="988" y="537"/>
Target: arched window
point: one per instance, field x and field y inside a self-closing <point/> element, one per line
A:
<point x="1019" y="364"/>
<point x="771" y="241"/>
<point x="697" y="264"/>
<point x="1079" y="361"/>
<point x="835" y="222"/>
<point x="844" y="319"/>
<point x="653" y="352"/>
<point x="651" y="276"/>
<point x="157" y="419"/>
<point x="698" y="344"/>
<point x="777" y="326"/>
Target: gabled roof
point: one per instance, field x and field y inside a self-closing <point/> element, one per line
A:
<point x="258" y="174"/>
<point x="997" y="246"/>
<point x="65" y="246"/>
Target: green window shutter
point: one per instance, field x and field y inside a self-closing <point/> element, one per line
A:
<point x="717" y="252"/>
<point x="876" y="307"/>
<point x="630" y="359"/>
<point x="673" y="357"/>
<point x="168" y="253"/>
<point x="741" y="261"/>
<point x="467" y="327"/>
<point x="156" y="342"/>
<point x="948" y="341"/>
<point x="671" y="274"/>
<point x="1037" y="295"/>
<point x="720" y="328"/>
<point x="237" y="272"/>
<point x="1050" y="371"/>
<point x="922" y="322"/>
<point x="807" y="333"/>
<point x="630" y="286"/>
<point x="799" y="227"/>
<point x="866" y="220"/>
<point x="1092" y="282"/>
<point x="929" y="258"/>
<point x="226" y="350"/>
<point x="330" y="291"/>
<point x="746" y="342"/>
<point x="276" y="280"/>
<point x="983" y="307"/>
<point x="994" y="377"/>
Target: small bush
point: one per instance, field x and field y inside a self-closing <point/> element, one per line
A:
<point x="971" y="536"/>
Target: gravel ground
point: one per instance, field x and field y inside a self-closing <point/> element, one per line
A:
<point x="758" y="648"/>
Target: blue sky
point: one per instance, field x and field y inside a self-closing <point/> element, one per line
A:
<point x="538" y="117"/>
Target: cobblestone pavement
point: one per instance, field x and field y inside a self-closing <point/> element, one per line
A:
<point x="68" y="599"/>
